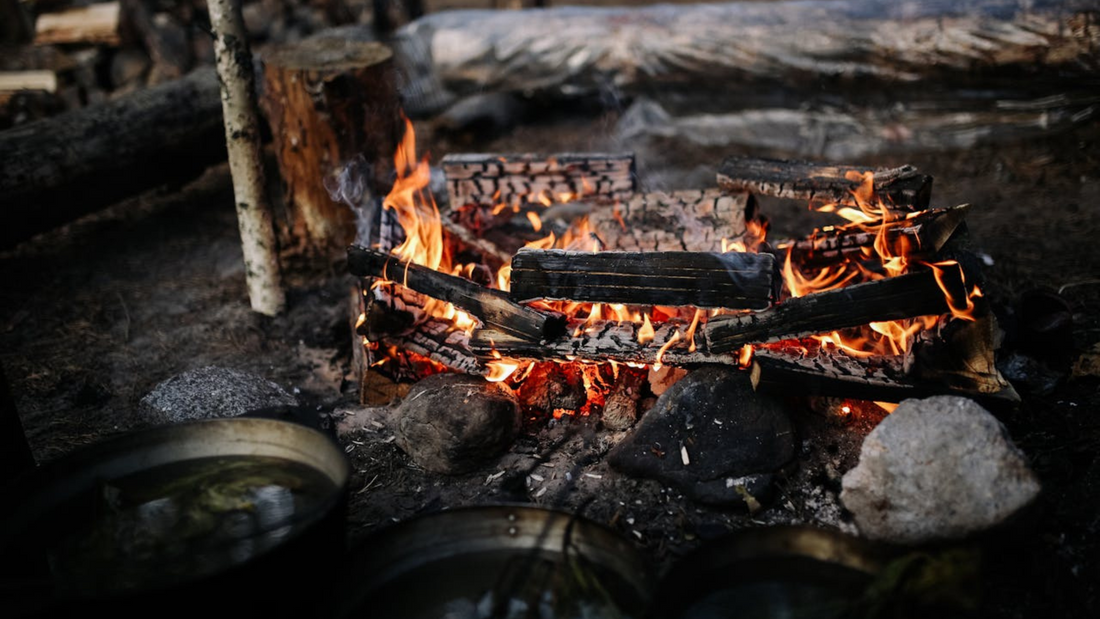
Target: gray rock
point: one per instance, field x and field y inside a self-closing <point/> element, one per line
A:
<point x="450" y="423"/>
<point x="936" y="469"/>
<point x="733" y="438"/>
<point x="212" y="392"/>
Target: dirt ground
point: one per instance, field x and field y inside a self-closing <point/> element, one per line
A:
<point x="94" y="315"/>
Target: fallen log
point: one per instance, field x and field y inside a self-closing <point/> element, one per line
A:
<point x="690" y="220"/>
<point x="893" y="298"/>
<point x="96" y="24"/>
<point x="902" y="187"/>
<point x="15" y="81"/>
<point x="492" y="307"/>
<point x="60" y="168"/>
<point x="328" y="102"/>
<point x="708" y="280"/>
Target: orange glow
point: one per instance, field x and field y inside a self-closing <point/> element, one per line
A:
<point x="536" y="221"/>
<point x="887" y="406"/>
<point x="645" y="332"/>
<point x="744" y="357"/>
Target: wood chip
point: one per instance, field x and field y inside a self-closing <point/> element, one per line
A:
<point x="684" y="455"/>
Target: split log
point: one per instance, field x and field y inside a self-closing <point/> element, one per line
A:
<point x="95" y="24"/>
<point x="893" y="298"/>
<point x="816" y="183"/>
<point x="14" y="81"/>
<point x="492" y="307"/>
<point x="920" y="235"/>
<point x="708" y="280"/>
<point x="60" y="168"/>
<point x="961" y="354"/>
<point x="329" y="101"/>
<point x="164" y="39"/>
<point x="672" y="221"/>
<point x="609" y="340"/>
<point x="489" y="180"/>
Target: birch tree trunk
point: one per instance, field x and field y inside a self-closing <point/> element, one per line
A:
<point x="242" y="136"/>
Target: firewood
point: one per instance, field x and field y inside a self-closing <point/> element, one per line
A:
<point x="921" y="236"/>
<point x="14" y="81"/>
<point x="710" y="280"/>
<point x="103" y="153"/>
<point x="903" y="187"/>
<point x="242" y="136"/>
<point x="893" y="298"/>
<point x="329" y="101"/>
<point x="487" y="180"/>
<point x="165" y="40"/>
<point x="492" y="307"/>
<point x="676" y="220"/>
<point x="93" y="24"/>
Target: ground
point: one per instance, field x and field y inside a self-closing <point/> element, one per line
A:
<point x="94" y="315"/>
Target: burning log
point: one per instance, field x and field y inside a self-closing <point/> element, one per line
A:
<point x="922" y="235"/>
<point x="329" y="101"/>
<point x="489" y="180"/>
<point x="710" y="280"/>
<point x="493" y="307"/>
<point x="821" y="183"/>
<point x="688" y="220"/>
<point x="103" y="153"/>
<point x="93" y="24"/>
<point x="892" y="298"/>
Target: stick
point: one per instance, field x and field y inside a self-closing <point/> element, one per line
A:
<point x="492" y="307"/>
<point x="710" y="280"/>
<point x="242" y="136"/>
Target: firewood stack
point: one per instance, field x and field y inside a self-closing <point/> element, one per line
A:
<point x="664" y="255"/>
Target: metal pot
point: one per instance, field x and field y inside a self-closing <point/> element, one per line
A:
<point x="211" y="515"/>
<point x="496" y="561"/>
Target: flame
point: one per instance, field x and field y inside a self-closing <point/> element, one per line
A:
<point x="657" y="365"/>
<point x="744" y="357"/>
<point x="536" y="221"/>
<point x="499" y="369"/>
<point x="645" y="332"/>
<point x="962" y="309"/>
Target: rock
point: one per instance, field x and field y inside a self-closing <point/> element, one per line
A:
<point x="551" y="386"/>
<point x="936" y="469"/>
<point x="451" y="423"/>
<point x="212" y="392"/>
<point x="712" y="436"/>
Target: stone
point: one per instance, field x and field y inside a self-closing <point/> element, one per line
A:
<point x="452" y="423"/>
<point x="713" y="437"/>
<point x="212" y="392"/>
<point x="936" y="469"/>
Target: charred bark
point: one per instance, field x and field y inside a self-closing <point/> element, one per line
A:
<point x="672" y="221"/>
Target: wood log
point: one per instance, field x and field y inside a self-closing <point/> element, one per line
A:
<point x="60" y="168"/>
<point x="920" y="235"/>
<point x="961" y="355"/>
<point x="486" y="180"/>
<point x="165" y="40"/>
<point x="329" y="101"/>
<point x="492" y="307"/>
<point x="602" y="341"/>
<point x="14" y="81"/>
<point x="672" y="221"/>
<point x="903" y="187"/>
<point x="894" y="298"/>
<point x="95" y="24"/>
<point x="709" y="280"/>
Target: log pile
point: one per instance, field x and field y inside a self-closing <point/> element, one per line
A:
<point x="716" y="306"/>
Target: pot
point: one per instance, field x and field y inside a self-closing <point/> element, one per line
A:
<point x="210" y="515"/>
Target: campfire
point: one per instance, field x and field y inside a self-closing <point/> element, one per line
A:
<point x="564" y="261"/>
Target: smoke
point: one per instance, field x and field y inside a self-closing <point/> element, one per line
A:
<point x="349" y="184"/>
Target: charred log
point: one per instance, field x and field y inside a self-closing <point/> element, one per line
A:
<point x="676" y="220"/>
<point x="711" y="280"/>
<point x="903" y="187"/>
<point x="492" y="307"/>
<point x="894" y="298"/>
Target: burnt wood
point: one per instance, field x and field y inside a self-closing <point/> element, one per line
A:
<point x="903" y="186"/>
<point x="492" y="307"/>
<point x="919" y="236"/>
<point x="710" y="280"/>
<point x="688" y="220"/>
<point x="894" y="298"/>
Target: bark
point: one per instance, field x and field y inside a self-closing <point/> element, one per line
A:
<point x="329" y="101"/>
<point x="242" y="135"/>
<point x="60" y="168"/>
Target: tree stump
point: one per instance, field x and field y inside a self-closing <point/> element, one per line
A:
<point x="328" y="101"/>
